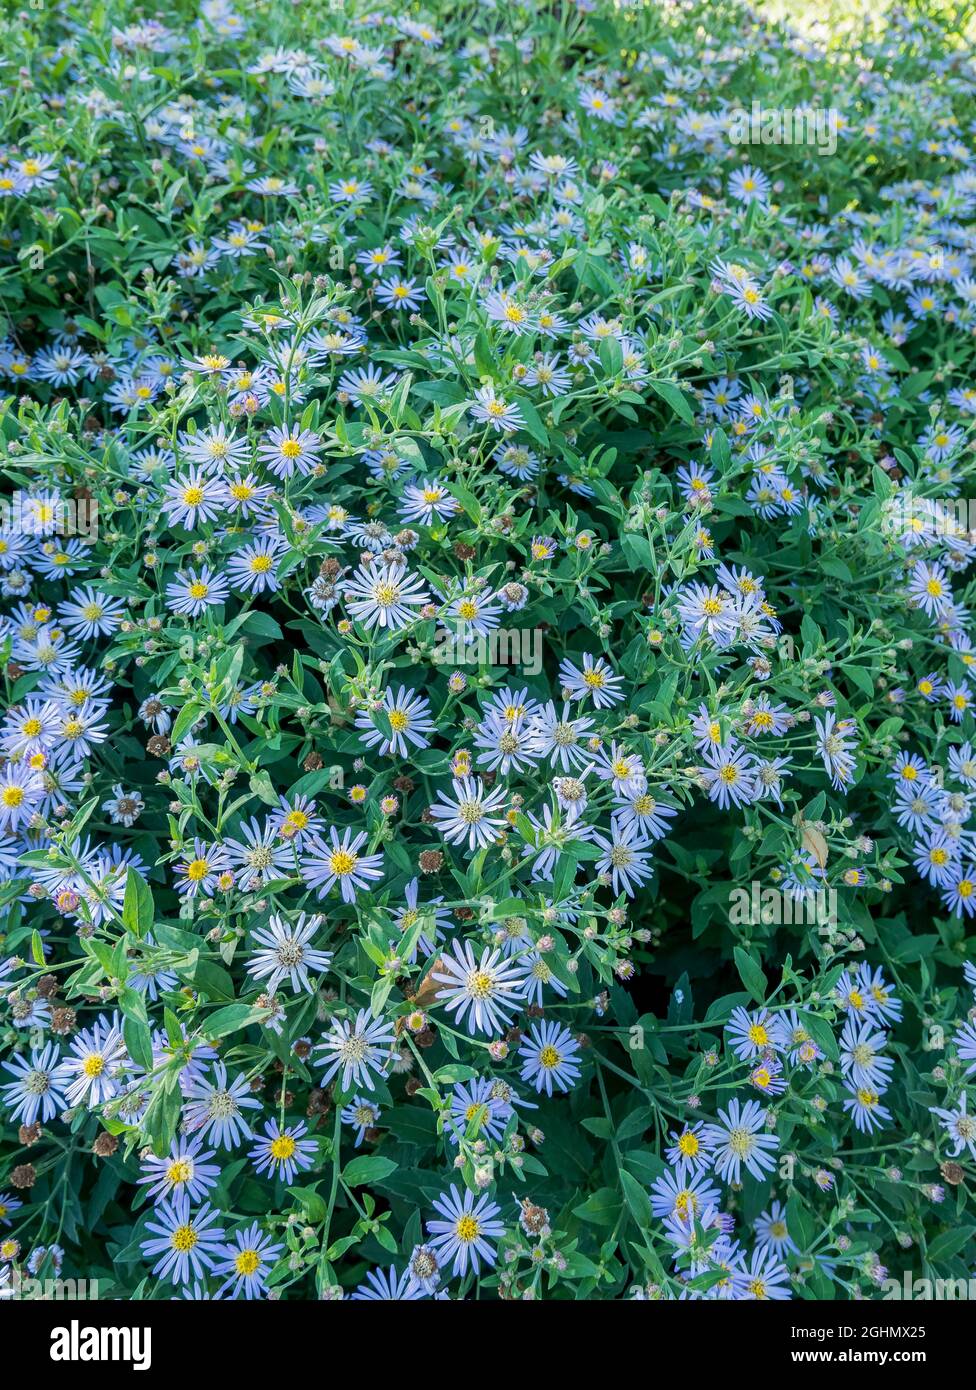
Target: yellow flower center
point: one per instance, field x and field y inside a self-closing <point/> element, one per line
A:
<point x="184" y="1239"/>
<point x="467" y="1229"/>
<point x="479" y="984"/>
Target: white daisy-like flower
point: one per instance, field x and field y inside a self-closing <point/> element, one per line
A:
<point x="483" y="992"/>
<point x="384" y="596"/>
<point x="287" y="954"/>
<point x="358" y="1051"/>
<point x="471" y="815"/>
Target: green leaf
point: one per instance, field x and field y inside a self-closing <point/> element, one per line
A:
<point x="861" y="678"/>
<point x="187" y="716"/>
<point x="312" y="1203"/>
<point x="137" y="905"/>
<point x="231" y="1020"/>
<point x="262" y="786"/>
<point x="674" y="398"/>
<point x="369" y="1168"/>
<point x="821" y="1033"/>
<point x="454" y="1071"/>
<point x="637" y="1200"/>
<point x="533" y="424"/>
<point x="163" y="1113"/>
<point x="138" y="1041"/>
<point x="949" y="1243"/>
<point x="750" y="974"/>
<point x="601" y="1207"/>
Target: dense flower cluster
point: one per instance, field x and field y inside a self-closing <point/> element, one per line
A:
<point x="488" y="778"/>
